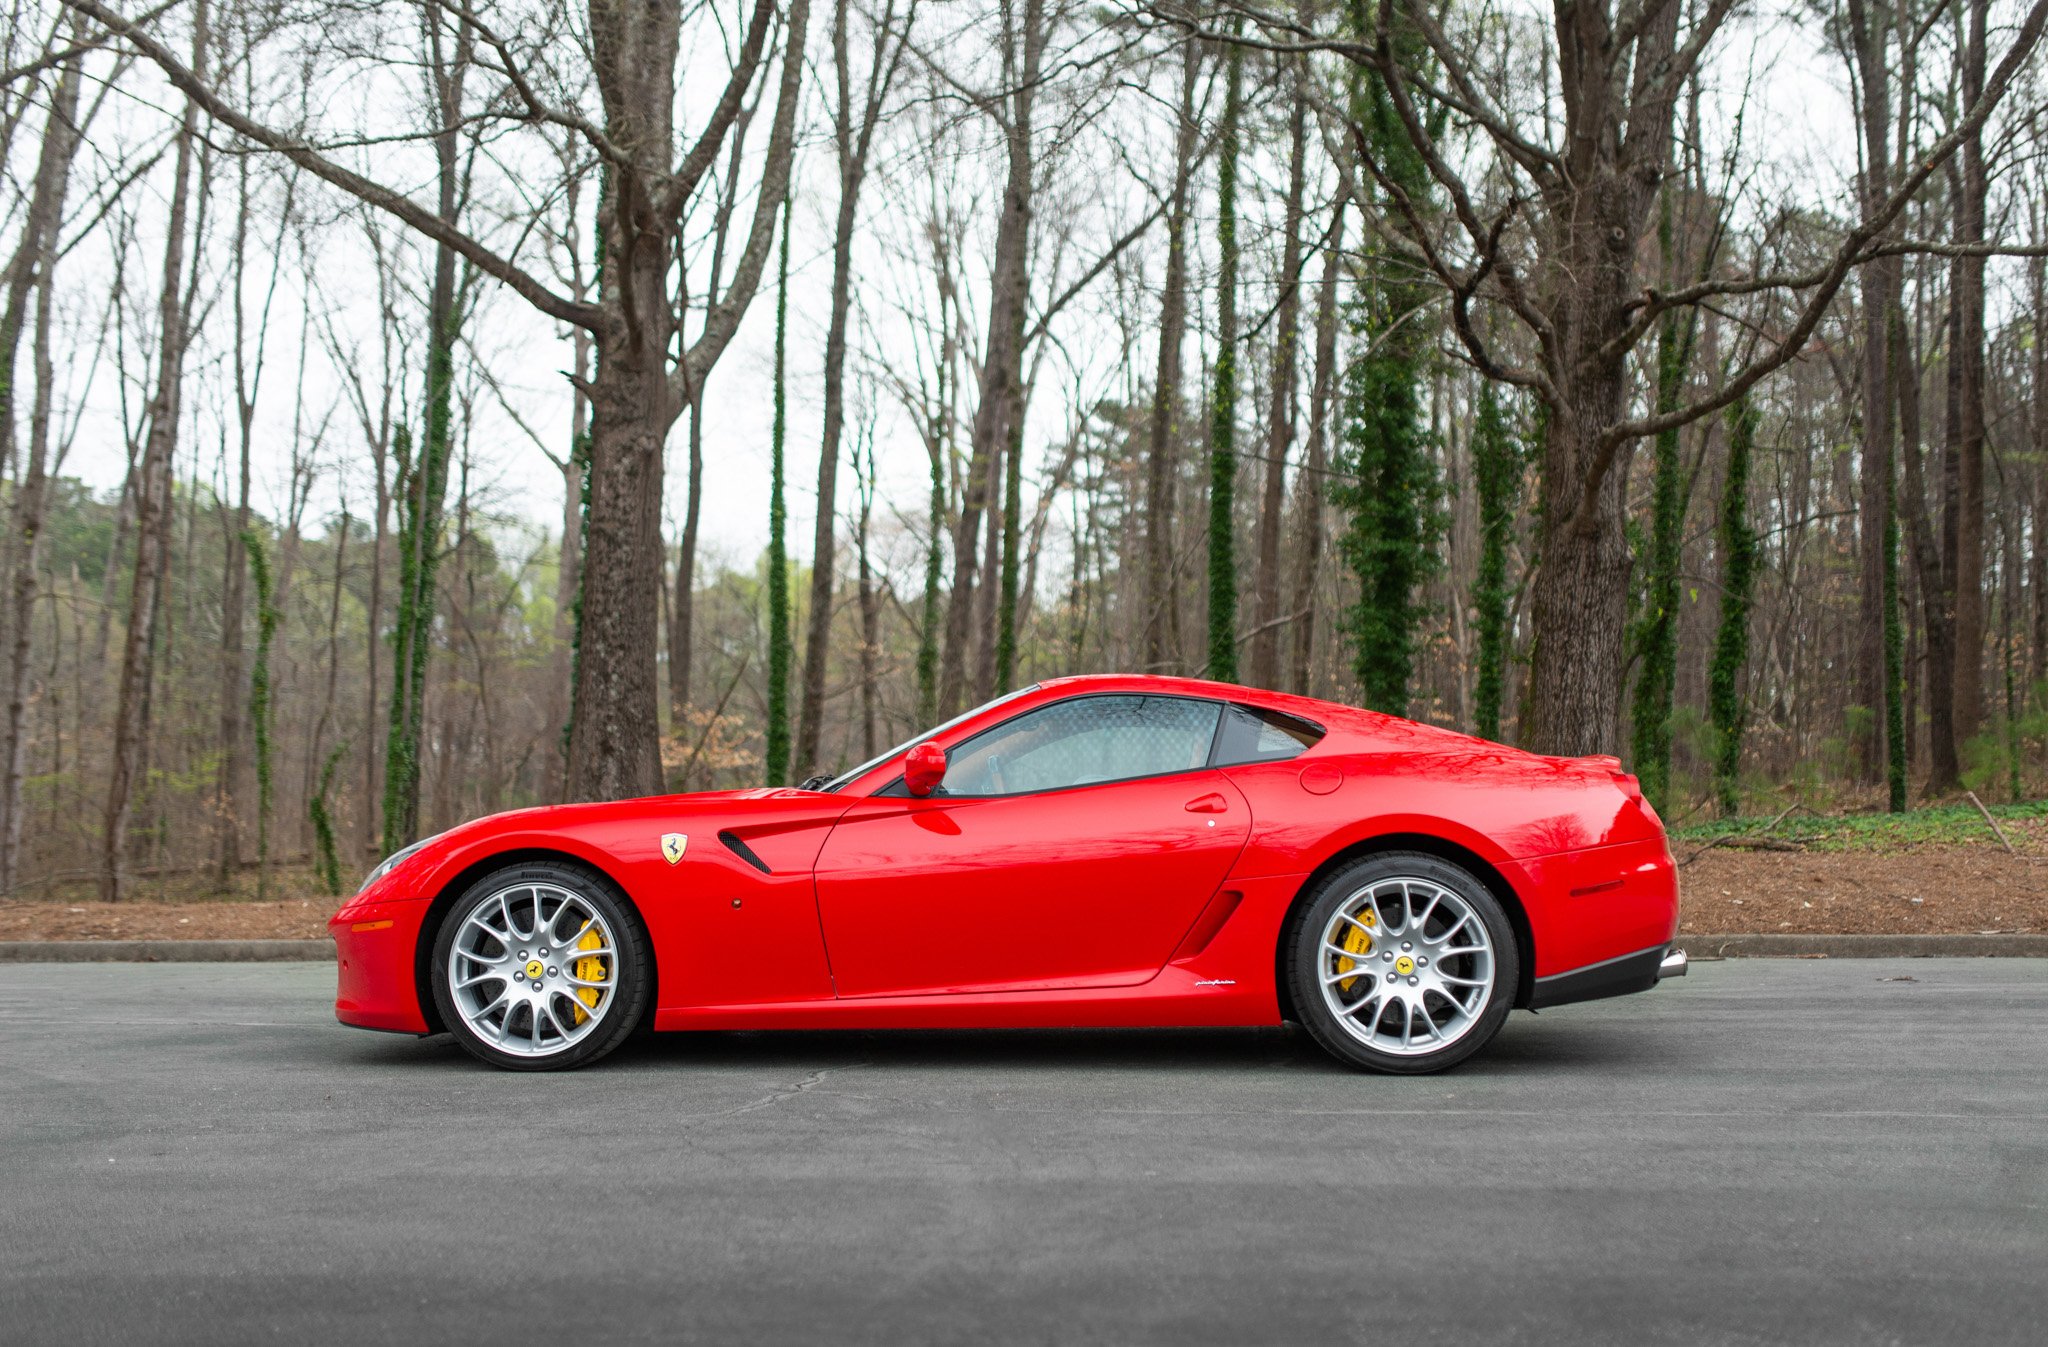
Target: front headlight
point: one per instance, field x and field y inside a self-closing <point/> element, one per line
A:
<point x="392" y="862"/>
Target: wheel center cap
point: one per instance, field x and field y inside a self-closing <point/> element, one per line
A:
<point x="535" y="968"/>
<point x="1404" y="965"/>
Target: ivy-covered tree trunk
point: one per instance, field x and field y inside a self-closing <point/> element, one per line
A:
<point x="1497" y="468"/>
<point x="326" y="861"/>
<point x="1657" y="628"/>
<point x="420" y="509"/>
<point x="1222" y="660"/>
<point x="1390" y="487"/>
<point x="778" y="548"/>
<point x="1738" y="585"/>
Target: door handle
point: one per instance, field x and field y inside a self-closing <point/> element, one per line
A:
<point x="1211" y="803"/>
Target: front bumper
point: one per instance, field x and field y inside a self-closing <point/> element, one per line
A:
<point x="1637" y="972"/>
<point x="375" y="947"/>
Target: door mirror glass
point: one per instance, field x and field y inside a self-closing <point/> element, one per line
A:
<point x="923" y="768"/>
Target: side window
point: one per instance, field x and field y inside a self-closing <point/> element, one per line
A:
<point x="1082" y="741"/>
<point x="1250" y="735"/>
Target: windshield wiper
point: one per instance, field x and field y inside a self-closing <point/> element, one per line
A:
<point x="818" y="782"/>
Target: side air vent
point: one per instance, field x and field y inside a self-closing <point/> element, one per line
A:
<point x="744" y="852"/>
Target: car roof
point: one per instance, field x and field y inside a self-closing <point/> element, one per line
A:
<point x="1328" y="714"/>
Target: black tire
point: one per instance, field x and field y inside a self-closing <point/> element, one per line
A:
<point x="620" y="1013"/>
<point x="1317" y="910"/>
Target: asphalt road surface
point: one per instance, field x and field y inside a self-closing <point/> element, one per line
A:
<point x="1769" y="1151"/>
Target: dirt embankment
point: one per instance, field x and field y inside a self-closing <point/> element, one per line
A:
<point x="142" y="919"/>
<point x="1936" y="888"/>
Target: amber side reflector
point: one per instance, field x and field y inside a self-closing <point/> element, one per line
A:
<point x="370" y="925"/>
<point x="1583" y="890"/>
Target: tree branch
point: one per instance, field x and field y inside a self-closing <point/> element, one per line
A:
<point x="393" y="203"/>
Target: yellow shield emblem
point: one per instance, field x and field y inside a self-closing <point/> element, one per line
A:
<point x="672" y="846"/>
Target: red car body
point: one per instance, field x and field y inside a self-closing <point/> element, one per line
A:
<point x="1151" y="902"/>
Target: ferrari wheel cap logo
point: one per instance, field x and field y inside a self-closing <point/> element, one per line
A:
<point x="672" y="846"/>
<point x="1404" y="965"/>
<point x="535" y="969"/>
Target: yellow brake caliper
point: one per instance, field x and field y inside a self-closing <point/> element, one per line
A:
<point x="1357" y="940"/>
<point x="589" y="970"/>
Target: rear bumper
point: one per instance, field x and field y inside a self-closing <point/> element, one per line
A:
<point x="1637" y="972"/>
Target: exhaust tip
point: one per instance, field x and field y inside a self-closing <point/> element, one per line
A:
<point x="1673" y="965"/>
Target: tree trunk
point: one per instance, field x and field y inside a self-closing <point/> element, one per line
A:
<point x="1580" y="592"/>
<point x="1270" y="620"/>
<point x="1162" y="450"/>
<point x="682" y="611"/>
<point x="1006" y="598"/>
<point x="852" y="134"/>
<point x="612" y="749"/>
<point x="1965" y="535"/>
<point x="34" y="265"/>
<point x="152" y="507"/>
<point x="777" y="755"/>
<point x="1002" y="363"/>
<point x="1937" y="681"/>
<point x="1311" y="485"/>
<point x="1880" y="282"/>
<point x="614" y="724"/>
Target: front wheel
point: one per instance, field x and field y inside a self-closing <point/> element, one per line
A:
<point x="540" y="967"/>
<point x="1402" y="962"/>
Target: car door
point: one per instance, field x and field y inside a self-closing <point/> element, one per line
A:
<point x="1071" y="846"/>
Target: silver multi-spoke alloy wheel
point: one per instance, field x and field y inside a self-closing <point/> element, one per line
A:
<point x="1402" y="961"/>
<point x="534" y="969"/>
<point x="1406" y="966"/>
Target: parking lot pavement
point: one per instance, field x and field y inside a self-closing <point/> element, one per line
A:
<point x="1782" y="1151"/>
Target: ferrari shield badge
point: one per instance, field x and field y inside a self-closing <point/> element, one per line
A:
<point x="672" y="845"/>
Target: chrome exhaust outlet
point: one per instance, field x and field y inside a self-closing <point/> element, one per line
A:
<point x="1673" y="965"/>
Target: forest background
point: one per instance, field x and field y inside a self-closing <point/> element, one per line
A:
<point x="415" y="409"/>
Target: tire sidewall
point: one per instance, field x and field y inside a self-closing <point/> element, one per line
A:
<point x="1304" y="963"/>
<point x="629" y="936"/>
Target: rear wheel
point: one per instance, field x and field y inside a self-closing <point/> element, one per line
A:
<point x="1403" y="962"/>
<point x="540" y="967"/>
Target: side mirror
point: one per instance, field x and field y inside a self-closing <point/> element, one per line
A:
<point x="923" y="768"/>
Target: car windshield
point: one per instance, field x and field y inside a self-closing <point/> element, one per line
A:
<point x="847" y="778"/>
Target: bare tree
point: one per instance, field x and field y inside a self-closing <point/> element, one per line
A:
<point x="856" y="113"/>
<point x="642" y="377"/>
<point x="153" y="495"/>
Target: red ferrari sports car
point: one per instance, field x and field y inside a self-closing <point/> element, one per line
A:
<point x="1098" y="851"/>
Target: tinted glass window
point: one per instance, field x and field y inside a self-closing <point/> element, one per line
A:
<point x="1250" y="735"/>
<point x="1083" y="741"/>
